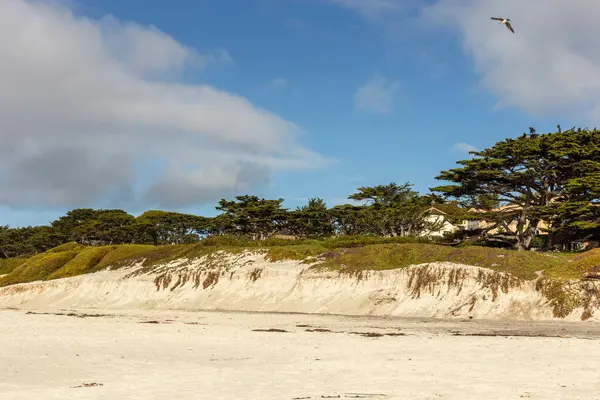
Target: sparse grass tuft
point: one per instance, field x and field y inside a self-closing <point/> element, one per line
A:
<point x="562" y="299"/>
<point x="212" y="279"/>
<point x="255" y="274"/>
<point x="423" y="279"/>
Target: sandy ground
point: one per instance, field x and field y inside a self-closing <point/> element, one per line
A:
<point x="213" y="355"/>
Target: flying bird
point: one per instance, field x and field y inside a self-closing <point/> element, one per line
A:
<point x="505" y="21"/>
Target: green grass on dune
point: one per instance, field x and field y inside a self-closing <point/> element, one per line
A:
<point x="345" y="254"/>
<point x="85" y="260"/>
<point x="7" y="265"/>
<point x="126" y="254"/>
<point x="38" y="267"/>
<point x="71" y="246"/>
<point x="574" y="265"/>
<point x="389" y="256"/>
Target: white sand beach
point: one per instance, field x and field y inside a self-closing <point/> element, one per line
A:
<point x="214" y="355"/>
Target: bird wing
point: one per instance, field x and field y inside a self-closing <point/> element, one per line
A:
<point x="497" y="19"/>
<point x="509" y="26"/>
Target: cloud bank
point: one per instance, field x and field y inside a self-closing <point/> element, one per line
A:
<point x="376" y="95"/>
<point x="550" y="65"/>
<point x="92" y="112"/>
<point x="552" y="62"/>
<point x="371" y="8"/>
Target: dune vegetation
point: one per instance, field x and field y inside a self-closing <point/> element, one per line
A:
<point x="346" y="254"/>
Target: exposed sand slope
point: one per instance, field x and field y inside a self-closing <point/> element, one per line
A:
<point x="221" y="356"/>
<point x="246" y="282"/>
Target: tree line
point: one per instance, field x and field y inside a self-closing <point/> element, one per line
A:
<point x="389" y="210"/>
<point x="513" y="186"/>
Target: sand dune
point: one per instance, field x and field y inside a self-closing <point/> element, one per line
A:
<point x="247" y="282"/>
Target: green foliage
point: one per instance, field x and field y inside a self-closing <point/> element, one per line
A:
<point x="127" y="254"/>
<point x="575" y="265"/>
<point x="71" y="259"/>
<point x="161" y="227"/>
<point x="347" y="254"/>
<point x="73" y="224"/>
<point x="70" y="246"/>
<point x="38" y="267"/>
<point x="245" y="241"/>
<point x="392" y="210"/>
<point x="573" y="220"/>
<point x="360" y="241"/>
<point x="251" y="216"/>
<point x="313" y="220"/>
<point x="113" y="226"/>
<point x="350" y="220"/>
<point x="562" y="300"/>
<point x="533" y="173"/>
<point x="539" y="242"/>
<point x="88" y="226"/>
<point x="7" y="265"/>
<point x="27" y="240"/>
<point x="392" y="256"/>
<point x="84" y="262"/>
<point x="387" y="211"/>
<point x="107" y="227"/>
<point x="231" y="241"/>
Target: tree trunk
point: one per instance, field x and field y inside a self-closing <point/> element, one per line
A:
<point x="524" y="237"/>
<point x="550" y="242"/>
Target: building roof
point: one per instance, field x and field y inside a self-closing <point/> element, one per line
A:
<point x="446" y="208"/>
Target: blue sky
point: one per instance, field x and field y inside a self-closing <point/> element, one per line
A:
<point x="367" y="96"/>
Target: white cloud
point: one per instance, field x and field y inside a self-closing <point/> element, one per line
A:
<point x="463" y="147"/>
<point x="370" y="8"/>
<point x="551" y="64"/>
<point x="377" y="95"/>
<point x="279" y="83"/>
<point x="92" y="112"/>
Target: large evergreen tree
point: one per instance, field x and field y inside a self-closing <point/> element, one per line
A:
<point x="394" y="210"/>
<point x="312" y="220"/>
<point x="251" y="216"/>
<point x="350" y="220"/>
<point x="529" y="176"/>
<point x="164" y="227"/>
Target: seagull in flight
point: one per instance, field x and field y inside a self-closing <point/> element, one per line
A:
<point x="505" y="21"/>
